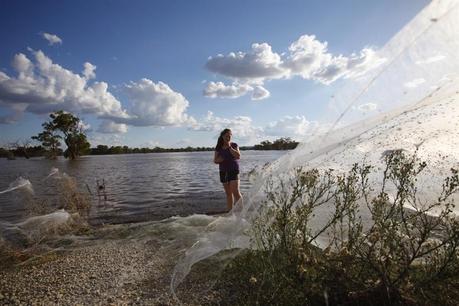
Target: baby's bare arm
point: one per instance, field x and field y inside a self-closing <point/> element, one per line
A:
<point x="217" y="158"/>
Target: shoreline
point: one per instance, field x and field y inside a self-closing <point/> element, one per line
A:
<point x="111" y="272"/>
<point x="103" y="268"/>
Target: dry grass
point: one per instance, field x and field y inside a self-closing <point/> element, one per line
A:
<point x="38" y="241"/>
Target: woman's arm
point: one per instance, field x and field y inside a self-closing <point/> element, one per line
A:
<point x="217" y="158"/>
<point x="235" y="151"/>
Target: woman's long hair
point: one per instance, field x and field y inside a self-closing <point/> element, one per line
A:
<point x="220" y="139"/>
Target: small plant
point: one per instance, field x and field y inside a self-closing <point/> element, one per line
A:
<point x="37" y="234"/>
<point x="72" y="199"/>
<point x="407" y="254"/>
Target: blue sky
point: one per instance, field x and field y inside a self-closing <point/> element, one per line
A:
<point x="174" y="73"/>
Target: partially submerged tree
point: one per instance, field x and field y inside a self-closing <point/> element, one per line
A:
<point x="50" y="140"/>
<point x="64" y="126"/>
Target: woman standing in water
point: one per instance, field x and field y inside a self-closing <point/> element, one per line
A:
<point x="227" y="156"/>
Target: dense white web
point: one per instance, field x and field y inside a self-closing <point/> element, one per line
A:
<point x="410" y="103"/>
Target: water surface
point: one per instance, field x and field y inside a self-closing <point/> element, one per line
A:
<point x="139" y="187"/>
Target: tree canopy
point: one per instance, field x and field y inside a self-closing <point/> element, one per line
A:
<point x="67" y="127"/>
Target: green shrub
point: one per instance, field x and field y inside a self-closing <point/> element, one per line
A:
<point x="406" y="255"/>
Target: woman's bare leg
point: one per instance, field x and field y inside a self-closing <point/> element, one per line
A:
<point x="236" y="193"/>
<point x="229" y="196"/>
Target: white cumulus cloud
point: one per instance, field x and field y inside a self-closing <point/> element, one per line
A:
<point x="154" y="104"/>
<point x="244" y="130"/>
<point x="52" y="39"/>
<point x="96" y="139"/>
<point x="110" y="127"/>
<point x="310" y="59"/>
<point x="42" y="86"/>
<point x="83" y="126"/>
<point x="220" y="90"/>
<point x="235" y="90"/>
<point x="89" y="71"/>
<point x="307" y="58"/>
<point x="260" y="93"/>
<point x="241" y="126"/>
<point x="291" y="126"/>
<point x="260" y="63"/>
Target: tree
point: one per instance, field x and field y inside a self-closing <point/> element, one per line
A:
<point x="64" y="126"/>
<point x="49" y="140"/>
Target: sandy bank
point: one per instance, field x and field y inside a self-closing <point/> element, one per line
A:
<point x="100" y="272"/>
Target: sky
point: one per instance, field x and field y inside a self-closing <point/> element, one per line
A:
<point x="175" y="73"/>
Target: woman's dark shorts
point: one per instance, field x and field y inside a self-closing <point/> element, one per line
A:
<point x="227" y="176"/>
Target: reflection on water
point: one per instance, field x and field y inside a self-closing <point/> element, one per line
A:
<point x="139" y="186"/>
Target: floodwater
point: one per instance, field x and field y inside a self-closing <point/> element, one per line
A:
<point x="138" y="187"/>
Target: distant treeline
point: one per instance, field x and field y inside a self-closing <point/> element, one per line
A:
<point x="35" y="151"/>
<point x="279" y="144"/>
<point x="24" y="151"/>
<point x="106" y="150"/>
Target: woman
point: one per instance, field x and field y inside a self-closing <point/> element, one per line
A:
<point x="227" y="156"/>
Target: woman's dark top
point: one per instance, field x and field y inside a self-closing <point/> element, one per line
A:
<point x="229" y="162"/>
